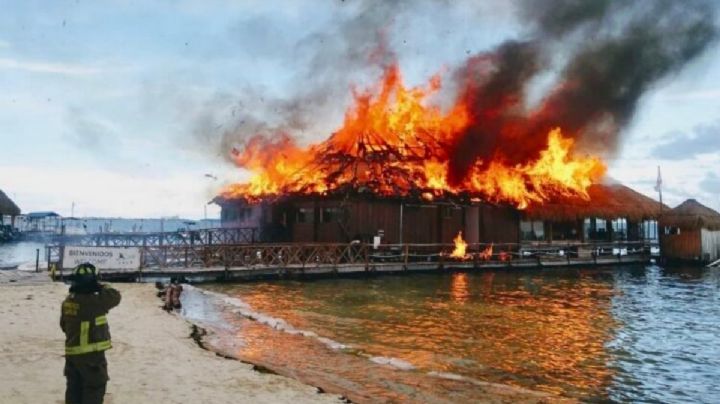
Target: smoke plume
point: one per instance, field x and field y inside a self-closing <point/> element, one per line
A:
<point x="614" y="52"/>
<point x="602" y="55"/>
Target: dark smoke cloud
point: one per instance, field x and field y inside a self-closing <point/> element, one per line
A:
<point x="615" y="50"/>
<point x="493" y="100"/>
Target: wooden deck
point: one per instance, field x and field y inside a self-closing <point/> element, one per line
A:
<point x="265" y="267"/>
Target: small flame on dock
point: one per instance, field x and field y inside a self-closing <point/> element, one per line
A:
<point x="486" y="253"/>
<point x="460" y="247"/>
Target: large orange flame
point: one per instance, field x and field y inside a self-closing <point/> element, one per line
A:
<point x="393" y="143"/>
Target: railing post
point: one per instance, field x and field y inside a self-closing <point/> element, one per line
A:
<point x="47" y="256"/>
<point x="567" y="256"/>
<point x="366" y="257"/>
<point x="441" y="259"/>
<point x="61" y="254"/>
<point x="406" y="251"/>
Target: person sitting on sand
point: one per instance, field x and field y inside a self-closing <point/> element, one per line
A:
<point x="172" y="294"/>
<point x="87" y="335"/>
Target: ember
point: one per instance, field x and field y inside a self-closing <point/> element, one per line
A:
<point x="486" y="253"/>
<point x="460" y="247"/>
<point x="393" y="143"/>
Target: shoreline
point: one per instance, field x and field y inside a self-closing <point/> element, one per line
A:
<point x="156" y="356"/>
<point x="153" y="359"/>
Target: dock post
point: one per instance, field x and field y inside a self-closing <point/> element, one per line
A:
<point x="366" y="256"/>
<point x="61" y="260"/>
<point x="37" y="260"/>
<point x="406" y="251"/>
<point x="568" y="257"/>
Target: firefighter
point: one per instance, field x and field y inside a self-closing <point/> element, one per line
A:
<point x="87" y="335"/>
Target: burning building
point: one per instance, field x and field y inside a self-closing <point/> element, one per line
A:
<point x="387" y="172"/>
<point x="417" y="165"/>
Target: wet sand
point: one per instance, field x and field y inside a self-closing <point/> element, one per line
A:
<point x="154" y="359"/>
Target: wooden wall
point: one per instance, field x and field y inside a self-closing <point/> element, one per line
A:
<point x="710" y="245"/>
<point x="452" y="220"/>
<point x="499" y="224"/>
<point x="472" y="224"/>
<point x="683" y="246"/>
<point x="303" y="231"/>
<point x="421" y="223"/>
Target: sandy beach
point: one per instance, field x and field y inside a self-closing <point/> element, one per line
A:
<point x="153" y="358"/>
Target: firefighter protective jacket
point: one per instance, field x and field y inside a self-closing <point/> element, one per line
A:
<point x="84" y="320"/>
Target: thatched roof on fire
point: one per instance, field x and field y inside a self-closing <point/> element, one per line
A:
<point x="7" y="206"/>
<point x="692" y="215"/>
<point x="607" y="201"/>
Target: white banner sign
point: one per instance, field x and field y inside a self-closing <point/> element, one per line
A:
<point x="102" y="257"/>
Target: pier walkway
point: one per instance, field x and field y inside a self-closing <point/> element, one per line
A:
<point x="208" y="262"/>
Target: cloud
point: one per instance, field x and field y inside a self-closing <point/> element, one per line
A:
<point x="711" y="183"/>
<point x="47" y="67"/>
<point x="89" y="133"/>
<point x="704" y="139"/>
<point x="4" y="44"/>
<point x="699" y="95"/>
<point x="101" y="192"/>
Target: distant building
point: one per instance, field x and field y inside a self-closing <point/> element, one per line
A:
<point x="8" y="210"/>
<point x="691" y="232"/>
<point x="40" y="222"/>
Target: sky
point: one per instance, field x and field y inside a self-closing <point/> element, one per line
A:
<point x="120" y="107"/>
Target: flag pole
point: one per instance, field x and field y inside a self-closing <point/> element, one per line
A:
<point x="658" y="187"/>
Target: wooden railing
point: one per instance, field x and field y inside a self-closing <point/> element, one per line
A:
<point x="290" y="256"/>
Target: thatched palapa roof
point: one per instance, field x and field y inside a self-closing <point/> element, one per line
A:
<point x="7" y="206"/>
<point x="607" y="201"/>
<point x="692" y="215"/>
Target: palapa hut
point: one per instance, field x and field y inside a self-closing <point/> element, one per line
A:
<point x="8" y="210"/>
<point x="613" y="213"/>
<point x="691" y="232"/>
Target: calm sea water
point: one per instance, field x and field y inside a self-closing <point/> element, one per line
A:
<point x="16" y="253"/>
<point x="626" y="334"/>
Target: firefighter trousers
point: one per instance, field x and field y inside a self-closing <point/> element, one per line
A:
<point x="86" y="376"/>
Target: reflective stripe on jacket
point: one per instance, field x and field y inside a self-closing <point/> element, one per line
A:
<point x="84" y="320"/>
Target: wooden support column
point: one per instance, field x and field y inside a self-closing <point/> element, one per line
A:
<point x="548" y="231"/>
<point x="471" y="224"/>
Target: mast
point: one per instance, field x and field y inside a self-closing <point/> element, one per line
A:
<point x="658" y="188"/>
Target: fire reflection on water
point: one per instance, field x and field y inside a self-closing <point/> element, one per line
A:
<point x="459" y="290"/>
<point x="539" y="331"/>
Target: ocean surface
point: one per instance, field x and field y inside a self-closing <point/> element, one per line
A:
<point x="13" y="254"/>
<point x="646" y="334"/>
